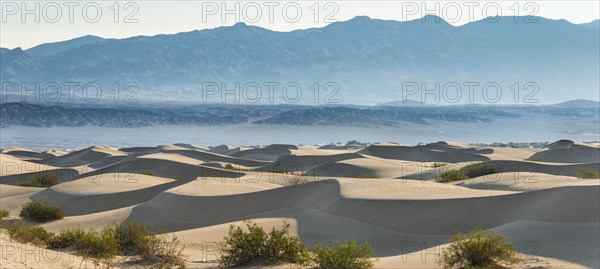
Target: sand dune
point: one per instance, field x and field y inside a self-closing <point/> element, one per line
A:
<point x="568" y="155"/>
<point x="522" y="168"/>
<point x="383" y="194"/>
<point x="269" y="153"/>
<point x="487" y="211"/>
<point x="20" y="152"/>
<point x="164" y="168"/>
<point x="308" y="162"/>
<point x="101" y="199"/>
<point x="92" y="157"/>
<point x="529" y="182"/>
<point x="225" y="150"/>
<point x="63" y="174"/>
<point x="427" y="153"/>
<point x="11" y="165"/>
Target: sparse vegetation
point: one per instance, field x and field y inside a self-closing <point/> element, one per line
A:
<point x="449" y="176"/>
<point x="235" y="168"/>
<point x="254" y="245"/>
<point x="128" y="239"/>
<point x="229" y="166"/>
<point x="147" y="172"/>
<point x="480" y="169"/>
<point x="137" y="239"/>
<point x="482" y="249"/>
<point x="297" y="180"/>
<point x="278" y="171"/>
<point x="438" y="164"/>
<point x="41" y="211"/>
<point x="177" y="177"/>
<point x="586" y="173"/>
<point x="4" y="213"/>
<point x="23" y="232"/>
<point x="42" y="180"/>
<point x="348" y="255"/>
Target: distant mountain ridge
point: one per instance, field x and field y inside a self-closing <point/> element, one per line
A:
<point x="368" y="59"/>
<point x="70" y="115"/>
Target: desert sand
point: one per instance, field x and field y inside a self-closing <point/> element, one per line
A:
<point x="385" y="194"/>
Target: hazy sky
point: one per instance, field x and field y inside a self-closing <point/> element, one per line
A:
<point x="29" y="23"/>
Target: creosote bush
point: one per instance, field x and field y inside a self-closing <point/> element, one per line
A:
<point x="480" y="169"/>
<point x="586" y="173"/>
<point x="128" y="238"/>
<point x="449" y="176"/>
<point x="481" y="249"/>
<point x="147" y="172"/>
<point x="367" y="176"/>
<point x="348" y="255"/>
<point x="297" y="180"/>
<point x="41" y="211"/>
<point x="4" y="213"/>
<point x="23" y="232"/>
<point x="254" y="245"/>
<point x="42" y="180"/>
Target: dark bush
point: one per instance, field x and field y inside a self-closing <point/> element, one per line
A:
<point x="42" y="180"/>
<point x="480" y="169"/>
<point x="482" y="249"/>
<point x="449" y="176"/>
<point x="67" y="238"/>
<point x="101" y="245"/>
<point x="147" y="172"/>
<point x="41" y="211"/>
<point x="23" y="232"/>
<point x="586" y="173"/>
<point x="257" y="246"/>
<point x="4" y="213"/>
<point x="343" y="255"/>
<point x="438" y="164"/>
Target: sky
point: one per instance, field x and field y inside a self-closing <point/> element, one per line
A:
<point x="28" y="23"/>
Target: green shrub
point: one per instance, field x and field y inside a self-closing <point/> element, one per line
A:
<point x="68" y="238"/>
<point x="449" y="176"/>
<point x="480" y="169"/>
<point x="42" y="180"/>
<point x="297" y="180"/>
<point x="438" y="164"/>
<point x="235" y="168"/>
<point x="482" y="249"/>
<point x="147" y="172"/>
<point x="41" y="211"/>
<point x="23" y="232"/>
<point x="586" y="173"/>
<point x="4" y="213"/>
<point x="343" y="255"/>
<point x="101" y="245"/>
<point x="257" y="246"/>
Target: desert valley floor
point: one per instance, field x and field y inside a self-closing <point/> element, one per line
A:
<point x="385" y="194"/>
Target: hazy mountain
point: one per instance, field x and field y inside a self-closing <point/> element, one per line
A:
<point x="48" y="49"/>
<point x="579" y="104"/>
<point x="403" y="103"/>
<point x="595" y="24"/>
<point x="71" y="115"/>
<point x="368" y="59"/>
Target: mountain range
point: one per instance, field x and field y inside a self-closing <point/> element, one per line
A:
<point x="368" y="59"/>
<point x="571" y="113"/>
